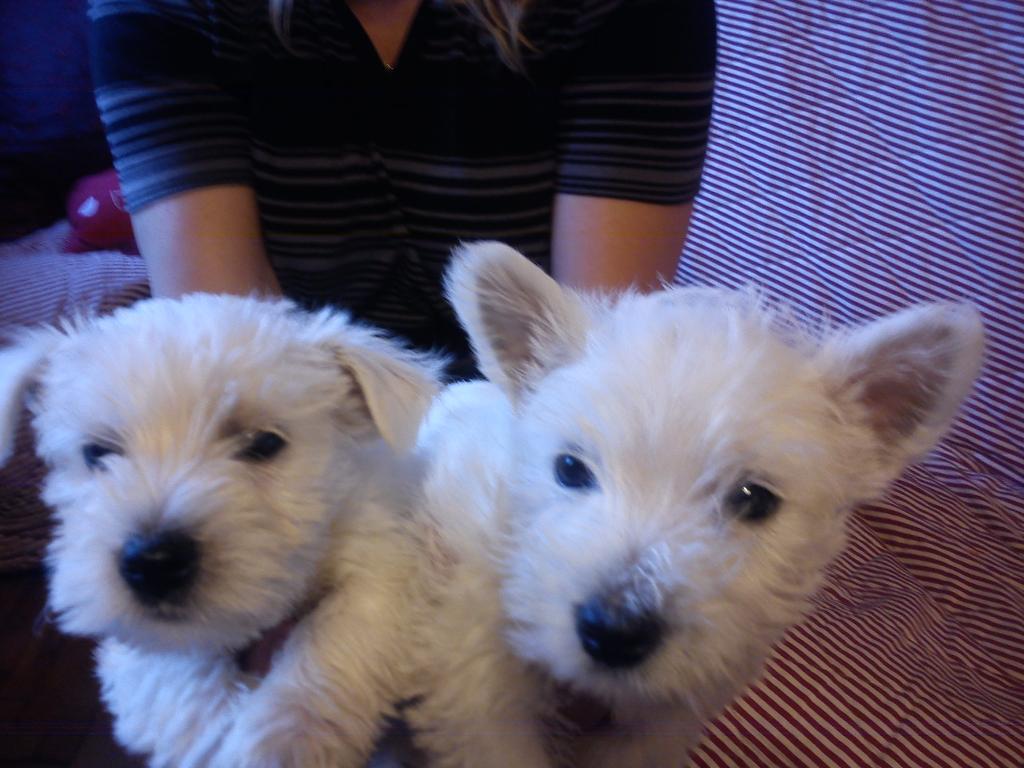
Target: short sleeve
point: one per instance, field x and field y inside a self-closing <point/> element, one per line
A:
<point x="172" y="121"/>
<point x="636" y="108"/>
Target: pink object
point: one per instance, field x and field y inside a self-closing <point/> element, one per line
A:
<point x="99" y="220"/>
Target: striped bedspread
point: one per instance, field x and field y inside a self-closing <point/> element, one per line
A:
<point x="867" y="155"/>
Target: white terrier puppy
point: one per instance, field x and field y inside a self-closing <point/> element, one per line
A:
<point x="644" y="500"/>
<point x="217" y="465"/>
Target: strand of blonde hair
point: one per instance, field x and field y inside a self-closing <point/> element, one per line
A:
<point x="501" y="19"/>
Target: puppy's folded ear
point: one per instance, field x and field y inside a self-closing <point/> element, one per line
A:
<point x="520" y="322"/>
<point x="904" y="377"/>
<point x="20" y="364"/>
<point x="396" y="385"/>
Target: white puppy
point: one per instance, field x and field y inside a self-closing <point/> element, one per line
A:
<point x="217" y="467"/>
<point x="644" y="499"/>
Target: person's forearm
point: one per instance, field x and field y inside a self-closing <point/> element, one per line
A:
<point x="205" y="240"/>
<point x="611" y="244"/>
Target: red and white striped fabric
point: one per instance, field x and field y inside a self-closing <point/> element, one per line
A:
<point x="865" y="156"/>
<point x="40" y="283"/>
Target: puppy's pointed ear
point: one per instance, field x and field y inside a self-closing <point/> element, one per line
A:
<point x="520" y="322"/>
<point x="396" y="385"/>
<point x="904" y="377"/>
<point x="20" y="364"/>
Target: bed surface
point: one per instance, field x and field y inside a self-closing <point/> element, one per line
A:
<point x="866" y="156"/>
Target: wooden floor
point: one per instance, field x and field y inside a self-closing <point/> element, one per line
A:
<point x="50" y="712"/>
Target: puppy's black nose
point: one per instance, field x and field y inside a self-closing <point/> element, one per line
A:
<point x="615" y="637"/>
<point x="161" y="566"/>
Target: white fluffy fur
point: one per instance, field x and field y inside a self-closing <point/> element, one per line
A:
<point x="175" y="386"/>
<point x="673" y="400"/>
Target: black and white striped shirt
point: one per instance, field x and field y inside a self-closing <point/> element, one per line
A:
<point x="367" y="176"/>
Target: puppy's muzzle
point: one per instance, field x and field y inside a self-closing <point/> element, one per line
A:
<point x="615" y="636"/>
<point x="160" y="567"/>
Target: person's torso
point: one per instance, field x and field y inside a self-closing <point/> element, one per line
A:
<point x="367" y="176"/>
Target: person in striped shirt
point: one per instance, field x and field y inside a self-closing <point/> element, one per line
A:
<point x="336" y="150"/>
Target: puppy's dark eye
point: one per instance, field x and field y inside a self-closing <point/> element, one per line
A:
<point x="572" y="472"/>
<point x="752" y="503"/>
<point x="262" y="446"/>
<point x="93" y="454"/>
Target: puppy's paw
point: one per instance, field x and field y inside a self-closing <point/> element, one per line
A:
<point x="283" y="734"/>
<point x="173" y="707"/>
<point x="123" y="689"/>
